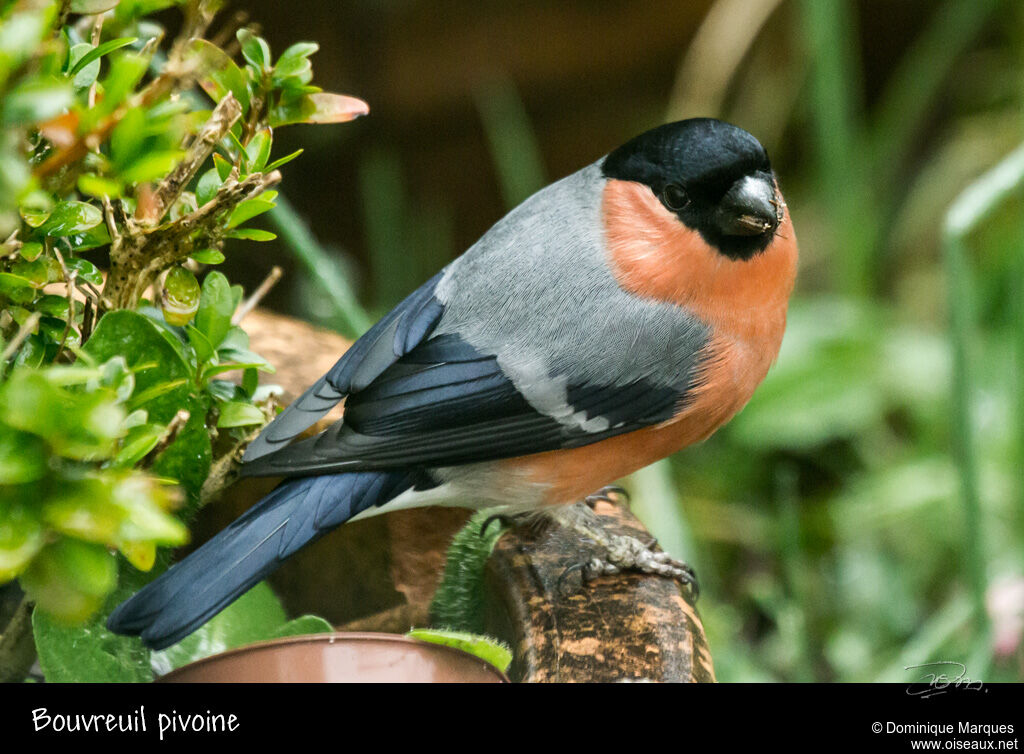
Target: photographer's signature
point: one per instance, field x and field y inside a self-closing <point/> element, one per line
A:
<point x="938" y="680"/>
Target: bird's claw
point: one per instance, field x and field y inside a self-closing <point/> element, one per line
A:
<point x="581" y="567"/>
<point x="528" y="522"/>
<point x="605" y="494"/>
<point x="504" y="519"/>
<point x="630" y="554"/>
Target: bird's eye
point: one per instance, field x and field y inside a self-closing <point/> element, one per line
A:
<point x="674" y="197"/>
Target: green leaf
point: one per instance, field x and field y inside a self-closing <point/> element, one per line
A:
<point x="20" y="32"/>
<point x="255" y="49"/>
<point x="21" y="536"/>
<point x="213" y="371"/>
<point x="90" y="653"/>
<point x="138" y="339"/>
<point x="142" y="397"/>
<point x="91" y="7"/>
<point x="250" y="381"/>
<point x="294" y="61"/>
<point x="53" y="306"/>
<point x="247" y="210"/>
<point x="32" y="352"/>
<point x="180" y="298"/>
<point x="215" y="308"/>
<point x="201" y="344"/>
<point x="251" y="234"/>
<point x="23" y="458"/>
<point x="143" y="501"/>
<point x="54" y="329"/>
<point x="94" y="185"/>
<point x="126" y="70"/>
<point x="35" y="101"/>
<point x="188" y="458"/>
<point x="86" y="270"/>
<point x="139" y="441"/>
<point x="76" y="425"/>
<point x="220" y="74"/>
<point x="222" y="166"/>
<point x="234" y="341"/>
<point x="30" y="250"/>
<point x="82" y="509"/>
<point x="223" y="391"/>
<point x="208" y="256"/>
<point x="484" y="647"/>
<point x="132" y="9"/>
<point x="71" y="217"/>
<point x="90" y="239"/>
<point x="34" y="217"/>
<point x="115" y="375"/>
<point x="303" y="626"/>
<point x="128" y="138"/>
<point x="244" y="358"/>
<point x="39" y="272"/>
<point x="207" y="187"/>
<point x="152" y="166"/>
<point x="98" y="52"/>
<point x="238" y="414"/>
<point x="254" y="616"/>
<point x="18" y="289"/>
<point x="239" y="149"/>
<point x="87" y="74"/>
<point x="70" y="579"/>
<point x="258" y="150"/>
<point x="283" y="161"/>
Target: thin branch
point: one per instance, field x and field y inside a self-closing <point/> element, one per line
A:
<point x="11" y="245"/>
<point x="94" y="294"/>
<point x="142" y="254"/>
<point x="169" y="435"/>
<point x="228" y="110"/>
<point x="97" y="34"/>
<point x="250" y="303"/>
<point x="87" y="318"/>
<point x="24" y="331"/>
<point x="17" y="646"/>
<point x="69" y="279"/>
<point x="226" y="35"/>
<point x="224" y="470"/>
<point x="177" y="75"/>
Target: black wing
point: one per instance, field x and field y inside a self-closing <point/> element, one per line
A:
<point x="401" y="330"/>
<point x="445" y="403"/>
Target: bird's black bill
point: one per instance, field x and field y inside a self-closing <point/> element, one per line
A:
<point x="749" y="208"/>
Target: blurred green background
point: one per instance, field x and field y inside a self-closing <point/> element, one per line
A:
<point x="866" y="511"/>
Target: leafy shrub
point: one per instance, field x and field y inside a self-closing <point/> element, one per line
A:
<point x="117" y="417"/>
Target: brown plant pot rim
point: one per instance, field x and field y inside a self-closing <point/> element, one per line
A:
<point x="453" y="665"/>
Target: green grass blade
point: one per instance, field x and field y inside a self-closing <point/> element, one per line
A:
<point x="512" y="141"/>
<point x="351" y="318"/>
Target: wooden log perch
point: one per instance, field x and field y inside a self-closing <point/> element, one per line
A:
<point x="380" y="573"/>
<point x="626" y="627"/>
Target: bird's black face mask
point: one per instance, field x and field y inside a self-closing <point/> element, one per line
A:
<point x="716" y="178"/>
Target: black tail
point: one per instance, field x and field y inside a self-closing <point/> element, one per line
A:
<point x="251" y="548"/>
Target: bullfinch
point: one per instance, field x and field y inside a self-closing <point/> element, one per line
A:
<point x="612" y="318"/>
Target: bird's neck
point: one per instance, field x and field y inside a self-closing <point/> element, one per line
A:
<point x="655" y="256"/>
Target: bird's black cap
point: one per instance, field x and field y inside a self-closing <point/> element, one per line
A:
<point x="697" y="168"/>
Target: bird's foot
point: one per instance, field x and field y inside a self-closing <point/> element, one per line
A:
<point x="529" y="522"/>
<point x="630" y="554"/>
<point x="611" y="494"/>
<point x="621" y="553"/>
